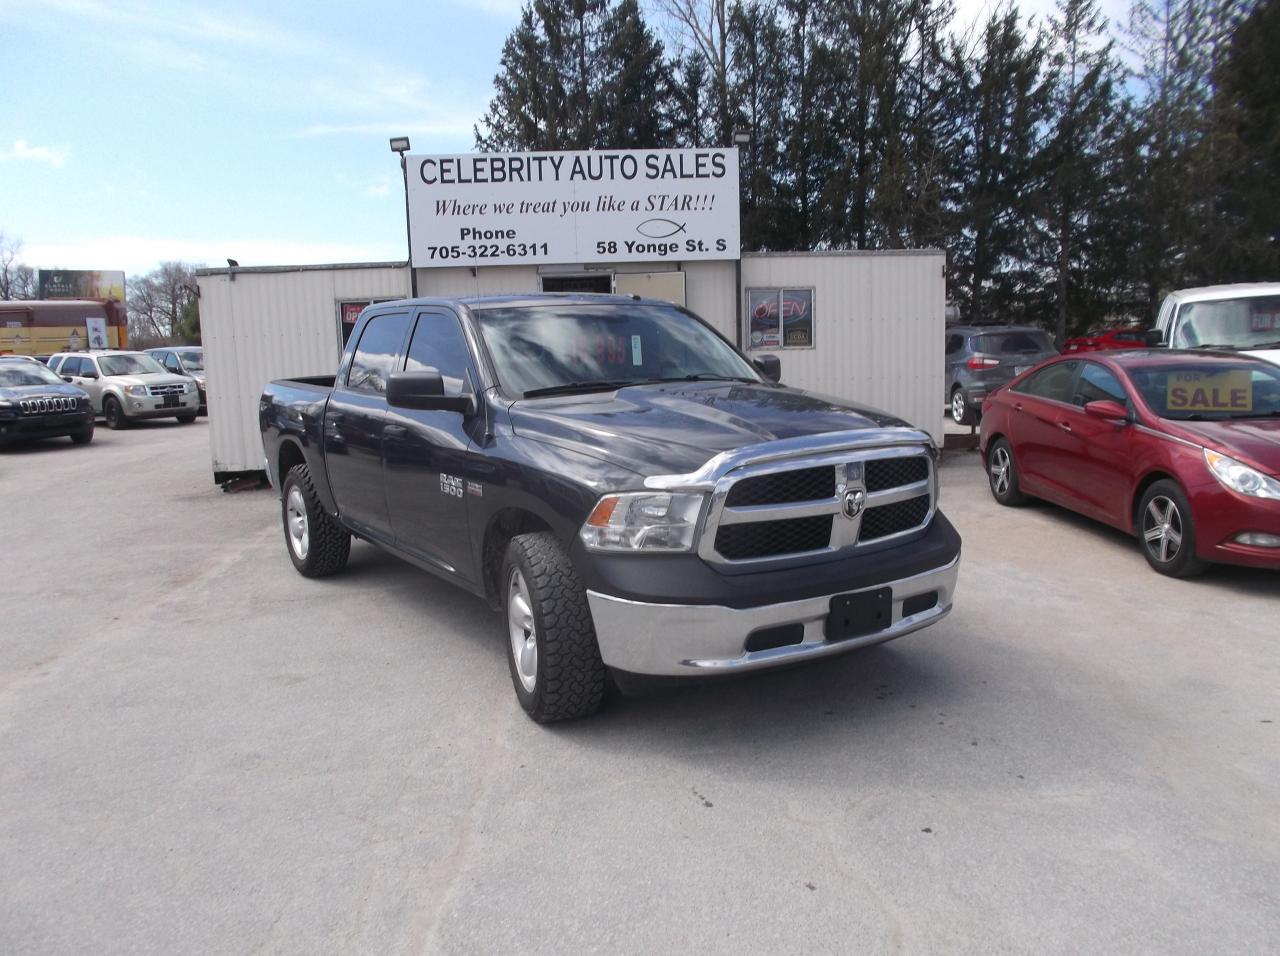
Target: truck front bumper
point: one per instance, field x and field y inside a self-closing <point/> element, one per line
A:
<point x="700" y="639"/>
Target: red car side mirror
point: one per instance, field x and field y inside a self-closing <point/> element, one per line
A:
<point x="1107" y="410"/>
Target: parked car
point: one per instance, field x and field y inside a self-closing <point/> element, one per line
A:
<point x="981" y="358"/>
<point x="1180" y="448"/>
<point x="1244" y="317"/>
<point x="636" y="496"/>
<point x="35" y="403"/>
<point x="185" y="360"/>
<point x="1107" y="339"/>
<point x="128" y="386"/>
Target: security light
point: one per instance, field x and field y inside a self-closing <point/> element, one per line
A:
<point x="742" y="137"/>
<point x="399" y="144"/>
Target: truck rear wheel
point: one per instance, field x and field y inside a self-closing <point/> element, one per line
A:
<point x="318" y="546"/>
<point x="551" y="648"/>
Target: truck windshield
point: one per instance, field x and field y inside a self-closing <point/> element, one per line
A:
<point x="1245" y="323"/>
<point x="1200" y="391"/>
<point x="131" y="364"/>
<point x="560" y="346"/>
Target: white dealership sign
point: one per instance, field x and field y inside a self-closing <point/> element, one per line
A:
<point x="629" y="205"/>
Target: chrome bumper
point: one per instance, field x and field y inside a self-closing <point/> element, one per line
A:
<point x="688" y="639"/>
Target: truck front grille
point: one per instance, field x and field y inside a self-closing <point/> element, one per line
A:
<point x="165" y="389"/>
<point x="765" y="514"/>
<point x="50" y="403"/>
<point x="883" y="473"/>
<point x="761" y="539"/>
<point x="891" y="519"/>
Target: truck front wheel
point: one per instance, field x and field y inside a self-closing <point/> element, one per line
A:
<point x="551" y="649"/>
<point x="317" y="544"/>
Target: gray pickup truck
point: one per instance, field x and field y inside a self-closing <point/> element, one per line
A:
<point x="638" y="498"/>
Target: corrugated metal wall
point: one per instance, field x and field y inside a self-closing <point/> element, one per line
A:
<point x="878" y="327"/>
<point x="268" y="325"/>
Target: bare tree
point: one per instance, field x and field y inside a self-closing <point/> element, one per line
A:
<point x="17" y="280"/>
<point x="157" y="303"/>
<point x="703" y="26"/>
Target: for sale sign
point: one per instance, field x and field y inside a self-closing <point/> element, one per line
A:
<point x="1210" y="391"/>
<point x="631" y="205"/>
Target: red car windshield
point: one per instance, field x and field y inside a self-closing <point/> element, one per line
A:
<point x="1187" y="391"/>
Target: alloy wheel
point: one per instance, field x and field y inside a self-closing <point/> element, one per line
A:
<point x="1162" y="529"/>
<point x="523" y="631"/>
<point x="1001" y="466"/>
<point x="299" y="529"/>
<point x="957" y="407"/>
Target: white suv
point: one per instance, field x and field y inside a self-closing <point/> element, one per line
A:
<point x="125" y="386"/>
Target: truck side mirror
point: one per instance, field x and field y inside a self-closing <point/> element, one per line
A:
<point x="424" y="390"/>
<point x="1153" y="338"/>
<point x="770" y="366"/>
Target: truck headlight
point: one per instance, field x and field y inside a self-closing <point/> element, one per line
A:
<point x="1240" y="477"/>
<point x="643" y="521"/>
<point x="137" y="391"/>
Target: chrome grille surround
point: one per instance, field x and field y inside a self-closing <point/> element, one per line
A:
<point x="846" y="453"/>
<point x="165" y="389"/>
<point x="45" y="404"/>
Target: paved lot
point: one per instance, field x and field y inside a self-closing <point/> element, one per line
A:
<point x="202" y="751"/>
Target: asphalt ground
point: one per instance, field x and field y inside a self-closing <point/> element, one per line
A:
<point x="201" y="751"/>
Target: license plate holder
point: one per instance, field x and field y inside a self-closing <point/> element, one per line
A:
<point x="170" y="401"/>
<point x="855" y="615"/>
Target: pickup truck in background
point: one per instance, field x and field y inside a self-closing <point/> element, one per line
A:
<point x="1244" y="317"/>
<point x="636" y="497"/>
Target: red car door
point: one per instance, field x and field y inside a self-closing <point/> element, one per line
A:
<point x="1042" y="447"/>
<point x="1101" y="451"/>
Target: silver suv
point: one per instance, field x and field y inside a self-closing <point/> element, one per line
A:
<point x="126" y="386"/>
<point x="185" y="360"/>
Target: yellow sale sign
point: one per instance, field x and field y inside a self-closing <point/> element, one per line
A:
<point x="1210" y="391"/>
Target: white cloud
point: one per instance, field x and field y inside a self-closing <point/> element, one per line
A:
<point x="21" y="150"/>
<point x="137" y="255"/>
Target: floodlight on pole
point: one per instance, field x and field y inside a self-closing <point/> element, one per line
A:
<point x="400" y="146"/>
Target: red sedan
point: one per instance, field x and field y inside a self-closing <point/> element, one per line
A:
<point x="1181" y="449"/>
<point x="1106" y="340"/>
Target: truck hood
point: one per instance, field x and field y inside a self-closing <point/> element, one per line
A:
<point x="674" y="428"/>
<point x="1255" y="441"/>
<point x="1271" y="355"/>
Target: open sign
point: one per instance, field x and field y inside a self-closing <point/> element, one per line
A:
<point x="1210" y="391"/>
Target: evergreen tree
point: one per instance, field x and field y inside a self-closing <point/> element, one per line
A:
<point x="1000" y="99"/>
<point x="1081" y="167"/>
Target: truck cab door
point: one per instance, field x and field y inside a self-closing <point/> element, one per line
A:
<point x="354" y="418"/>
<point x="432" y="470"/>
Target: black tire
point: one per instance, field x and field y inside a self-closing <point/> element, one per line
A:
<point x="113" y="413"/>
<point x="961" y="413"/>
<point x="1002" y="475"/>
<point x="83" y="436"/>
<point x="326" y="545"/>
<point x="568" y="674"/>
<point x="186" y="419"/>
<point x="1166" y="531"/>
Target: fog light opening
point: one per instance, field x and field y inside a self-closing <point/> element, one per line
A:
<point x="1258" y="539"/>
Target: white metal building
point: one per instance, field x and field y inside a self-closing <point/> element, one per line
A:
<point x="868" y="326"/>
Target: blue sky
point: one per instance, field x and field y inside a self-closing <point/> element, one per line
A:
<point x="134" y="132"/>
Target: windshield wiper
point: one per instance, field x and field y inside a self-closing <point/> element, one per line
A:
<point x="709" y="377"/>
<point x="1264" y="345"/>
<point x="596" y="385"/>
<point x="1217" y="345"/>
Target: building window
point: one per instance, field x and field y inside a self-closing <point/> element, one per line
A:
<point x="779" y="319"/>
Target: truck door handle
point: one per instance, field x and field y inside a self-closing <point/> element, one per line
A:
<point x="394" y="431"/>
<point x="1065" y="426"/>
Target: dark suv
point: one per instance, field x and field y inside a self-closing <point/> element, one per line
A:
<point x="981" y="358"/>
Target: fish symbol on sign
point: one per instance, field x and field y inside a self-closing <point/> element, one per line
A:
<point x="659" y="228"/>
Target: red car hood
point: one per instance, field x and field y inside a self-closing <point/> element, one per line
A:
<point x="1255" y="441"/>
